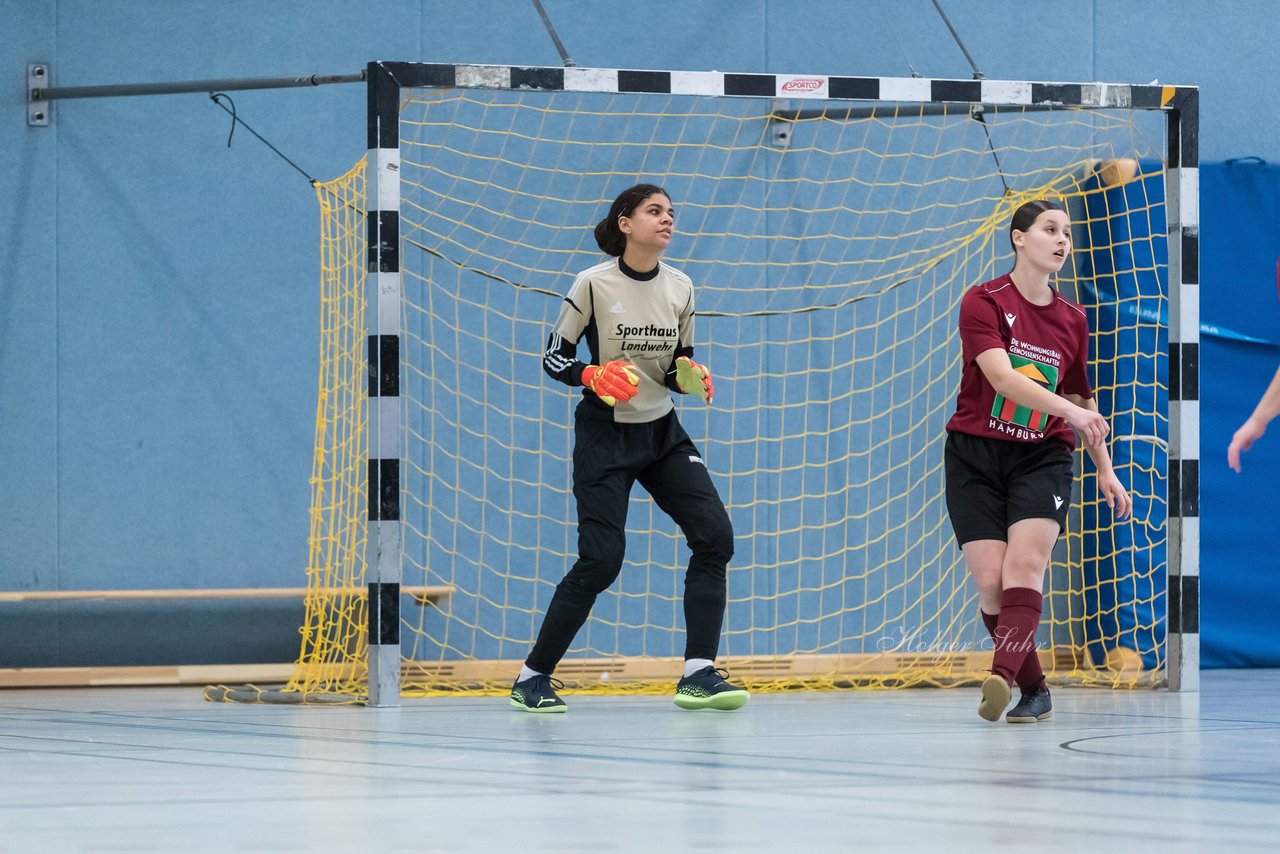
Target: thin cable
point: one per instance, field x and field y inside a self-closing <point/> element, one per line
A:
<point x="977" y="75"/>
<point x="235" y="119"/>
<point x="978" y="114"/>
<point x="903" y="48"/>
<point x="761" y="313"/>
<point x="551" y="30"/>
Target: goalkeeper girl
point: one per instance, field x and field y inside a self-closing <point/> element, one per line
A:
<point x="636" y="314"/>
<point x="1024" y="398"/>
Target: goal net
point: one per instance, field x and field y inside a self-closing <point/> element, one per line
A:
<point x="830" y="242"/>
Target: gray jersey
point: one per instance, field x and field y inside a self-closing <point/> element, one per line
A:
<point x="643" y="319"/>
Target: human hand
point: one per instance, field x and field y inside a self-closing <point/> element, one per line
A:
<point x="613" y="382"/>
<point x="1091" y="426"/>
<point x="1249" y="432"/>
<point x="694" y="379"/>
<point x="1117" y="497"/>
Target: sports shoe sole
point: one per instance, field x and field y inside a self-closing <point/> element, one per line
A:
<point x="996" y="694"/>
<point x="725" y="701"/>
<point x="516" y="704"/>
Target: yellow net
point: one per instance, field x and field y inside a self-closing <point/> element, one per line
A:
<point x="333" y="641"/>
<point x="830" y="248"/>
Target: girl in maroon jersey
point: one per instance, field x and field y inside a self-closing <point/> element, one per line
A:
<point x="1024" y="398"/>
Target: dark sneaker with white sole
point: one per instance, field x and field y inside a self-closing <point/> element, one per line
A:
<point x="709" y="689"/>
<point x="538" y="694"/>
<point x="1034" y="706"/>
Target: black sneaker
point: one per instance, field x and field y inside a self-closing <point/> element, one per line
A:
<point x="707" y="689"/>
<point x="538" y="694"/>
<point x="1034" y="706"/>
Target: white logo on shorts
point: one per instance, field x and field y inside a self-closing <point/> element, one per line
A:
<point x="1057" y="503"/>
<point x="694" y="459"/>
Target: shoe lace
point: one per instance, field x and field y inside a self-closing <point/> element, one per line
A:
<point x="548" y="682"/>
<point x="544" y="682"/>
<point x="716" y="675"/>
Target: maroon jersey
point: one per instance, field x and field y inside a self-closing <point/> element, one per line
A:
<point x="1048" y="343"/>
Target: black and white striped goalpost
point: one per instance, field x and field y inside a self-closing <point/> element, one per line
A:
<point x="383" y="571"/>
<point x="1183" y="215"/>
<point x="385" y="81"/>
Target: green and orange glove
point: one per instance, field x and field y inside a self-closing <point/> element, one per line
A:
<point x="694" y="379"/>
<point x="612" y="382"/>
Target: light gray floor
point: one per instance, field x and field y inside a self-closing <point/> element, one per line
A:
<point x="162" y="770"/>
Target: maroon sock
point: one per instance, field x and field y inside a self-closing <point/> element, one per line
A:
<point x="1015" y="634"/>
<point x="1030" y="677"/>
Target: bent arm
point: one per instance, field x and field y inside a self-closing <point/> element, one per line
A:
<point x="1022" y="390"/>
<point x="1097" y="450"/>
<point x="1117" y="497"/>
<point x="1269" y="406"/>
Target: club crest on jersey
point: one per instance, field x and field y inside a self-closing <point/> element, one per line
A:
<point x="1007" y="416"/>
<point x="1010" y="317"/>
<point x="617" y="308"/>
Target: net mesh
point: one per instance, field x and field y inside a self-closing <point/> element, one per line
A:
<point x="830" y="248"/>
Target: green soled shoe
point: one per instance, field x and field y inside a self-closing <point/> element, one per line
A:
<point x="1033" y="707"/>
<point x="538" y="694"/>
<point x="995" y="697"/>
<point x="707" y="689"/>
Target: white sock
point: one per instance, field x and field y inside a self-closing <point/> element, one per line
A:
<point x="526" y="673"/>
<point x="693" y="665"/>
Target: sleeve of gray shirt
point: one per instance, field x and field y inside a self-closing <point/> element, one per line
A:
<point x="560" y="360"/>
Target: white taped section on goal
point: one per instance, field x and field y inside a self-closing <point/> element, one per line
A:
<point x="905" y="89"/>
<point x="591" y="79"/>
<point x="483" y="76"/>
<point x="697" y="83"/>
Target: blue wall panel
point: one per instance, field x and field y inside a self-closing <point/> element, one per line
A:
<point x="157" y="289"/>
<point x="1238" y="594"/>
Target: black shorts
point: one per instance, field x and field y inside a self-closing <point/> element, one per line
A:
<point x="992" y="483"/>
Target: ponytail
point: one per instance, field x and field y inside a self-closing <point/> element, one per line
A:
<point x="609" y="236"/>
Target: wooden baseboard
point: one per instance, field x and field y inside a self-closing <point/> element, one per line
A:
<point x="422" y="594"/>
<point x="882" y="668"/>
<point x="180" y="674"/>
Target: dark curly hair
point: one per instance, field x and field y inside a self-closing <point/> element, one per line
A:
<point x="609" y="237"/>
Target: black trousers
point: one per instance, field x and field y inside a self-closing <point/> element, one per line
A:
<point x="608" y="458"/>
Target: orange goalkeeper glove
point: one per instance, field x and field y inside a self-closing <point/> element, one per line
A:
<point x="694" y="379"/>
<point x="612" y="382"/>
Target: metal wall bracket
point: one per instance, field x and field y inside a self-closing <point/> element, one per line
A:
<point x="781" y="123"/>
<point x="39" y="111"/>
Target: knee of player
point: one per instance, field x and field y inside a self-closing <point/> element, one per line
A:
<point x="592" y="576"/>
<point x="601" y="551"/>
<point x="1024" y="566"/>
<point x="715" y="537"/>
